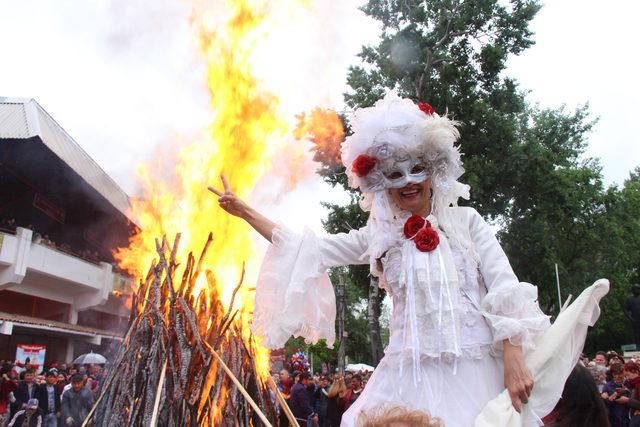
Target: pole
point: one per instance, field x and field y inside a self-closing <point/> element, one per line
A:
<point x="156" y="404"/>
<point x="242" y="390"/>
<point x="283" y="403"/>
<point x="341" y="318"/>
<point x="558" y="284"/>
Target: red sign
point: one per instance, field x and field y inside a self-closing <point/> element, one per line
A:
<point x="48" y="207"/>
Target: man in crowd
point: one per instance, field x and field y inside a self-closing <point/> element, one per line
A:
<point x="322" y="400"/>
<point x="28" y="417"/>
<point x="353" y="391"/>
<point x="48" y="396"/>
<point x="300" y="402"/>
<point x="76" y="402"/>
<point x="601" y="358"/>
<point x="26" y="389"/>
<point x="284" y="386"/>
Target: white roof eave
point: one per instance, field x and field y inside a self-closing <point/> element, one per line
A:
<point x="22" y="118"/>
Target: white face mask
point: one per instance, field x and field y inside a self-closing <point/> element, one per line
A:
<point x="396" y="167"/>
<point x="402" y="173"/>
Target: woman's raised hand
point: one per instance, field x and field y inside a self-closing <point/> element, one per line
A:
<point x="235" y="206"/>
<point x="229" y="201"/>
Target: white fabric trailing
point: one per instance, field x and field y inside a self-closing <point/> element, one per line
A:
<point x="556" y="353"/>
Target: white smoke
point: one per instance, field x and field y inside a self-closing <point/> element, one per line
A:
<point x="125" y="77"/>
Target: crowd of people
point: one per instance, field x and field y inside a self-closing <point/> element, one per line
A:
<point x="601" y="391"/>
<point x="57" y="395"/>
<point x="618" y="382"/>
<point x="319" y="400"/>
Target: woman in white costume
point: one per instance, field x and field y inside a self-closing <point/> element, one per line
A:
<point x="461" y="321"/>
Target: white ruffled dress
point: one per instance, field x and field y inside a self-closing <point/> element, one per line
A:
<point x="452" y="308"/>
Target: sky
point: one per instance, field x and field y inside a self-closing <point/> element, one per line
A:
<point x="124" y="77"/>
<point x="584" y="54"/>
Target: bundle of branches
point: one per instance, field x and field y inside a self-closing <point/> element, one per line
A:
<point x="176" y="368"/>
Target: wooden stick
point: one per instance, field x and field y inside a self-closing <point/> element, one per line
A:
<point x="242" y="389"/>
<point x="283" y="403"/>
<point x="95" y="405"/>
<point x="156" y="404"/>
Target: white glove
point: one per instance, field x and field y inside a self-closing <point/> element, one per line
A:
<point x="70" y="421"/>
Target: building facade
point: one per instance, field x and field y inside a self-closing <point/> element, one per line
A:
<point x="61" y="218"/>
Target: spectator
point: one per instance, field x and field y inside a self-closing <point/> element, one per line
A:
<point x="580" y="404"/>
<point x="76" y="402"/>
<point x="598" y="368"/>
<point x="321" y="401"/>
<point x="613" y="390"/>
<point x="7" y="387"/>
<point x="48" y="396"/>
<point x="300" y="402"/>
<point x="353" y="391"/>
<point x="62" y="381"/>
<point x="30" y="416"/>
<point x="311" y="391"/>
<point x="334" y="407"/>
<point x="632" y="374"/>
<point x="26" y="389"/>
<point x="601" y="358"/>
<point x="617" y="359"/>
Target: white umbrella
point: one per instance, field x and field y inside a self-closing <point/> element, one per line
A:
<point x="356" y="367"/>
<point x="90" y="358"/>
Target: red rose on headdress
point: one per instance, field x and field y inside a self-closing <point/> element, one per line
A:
<point x="426" y="107"/>
<point x="363" y="164"/>
<point x="427" y="239"/>
<point x="413" y="225"/>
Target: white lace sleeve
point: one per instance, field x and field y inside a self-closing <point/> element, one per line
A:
<point x="293" y="294"/>
<point x="511" y="307"/>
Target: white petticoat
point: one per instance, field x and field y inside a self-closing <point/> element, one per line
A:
<point x="456" y="398"/>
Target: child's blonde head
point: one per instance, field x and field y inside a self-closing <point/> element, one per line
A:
<point x="396" y="416"/>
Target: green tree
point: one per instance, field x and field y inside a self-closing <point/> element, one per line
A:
<point x="452" y="53"/>
<point x="617" y="245"/>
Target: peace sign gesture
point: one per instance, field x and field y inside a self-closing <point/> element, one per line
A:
<point x="229" y="201"/>
<point x="235" y="206"/>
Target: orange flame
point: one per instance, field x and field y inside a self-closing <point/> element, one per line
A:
<point x="325" y="130"/>
<point x="247" y="129"/>
<point x="244" y="129"/>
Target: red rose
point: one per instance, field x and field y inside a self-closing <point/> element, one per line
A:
<point x="427" y="239"/>
<point x="426" y="107"/>
<point x="363" y="164"/>
<point x="413" y="225"/>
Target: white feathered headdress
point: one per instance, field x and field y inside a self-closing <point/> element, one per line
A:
<point x="396" y="142"/>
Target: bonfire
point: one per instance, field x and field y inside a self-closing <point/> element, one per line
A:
<point x="189" y="357"/>
<point x="179" y="369"/>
